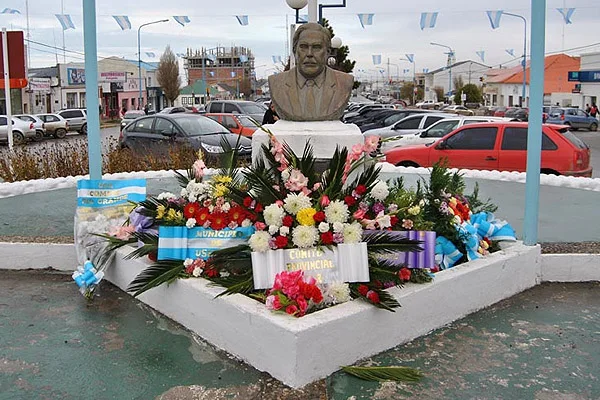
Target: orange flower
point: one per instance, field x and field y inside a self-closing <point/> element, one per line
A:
<point x="218" y="220"/>
<point x="190" y="209"/>
<point x="201" y="216"/>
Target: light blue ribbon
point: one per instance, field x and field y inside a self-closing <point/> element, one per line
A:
<point x="494" y="229"/>
<point x="468" y="235"/>
<point x="86" y="277"/>
<point x="446" y="253"/>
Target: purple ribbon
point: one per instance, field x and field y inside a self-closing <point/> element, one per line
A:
<point x="413" y="259"/>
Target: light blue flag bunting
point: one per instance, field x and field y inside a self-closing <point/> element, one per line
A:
<point x="428" y="20"/>
<point x="233" y="74"/>
<point x="150" y="54"/>
<point x="242" y="19"/>
<point x="276" y="59"/>
<point x="181" y="55"/>
<point x="494" y="17"/>
<point x="303" y="18"/>
<point x="243" y="58"/>
<point x="365" y="19"/>
<point x="376" y="59"/>
<point x="410" y="57"/>
<point x="211" y="57"/>
<point x="65" y="21"/>
<point x="406" y="71"/>
<point x="123" y="21"/>
<point x="108" y="193"/>
<point x="567" y="13"/>
<point x="381" y="71"/>
<point x="181" y="19"/>
<point x="212" y="73"/>
<point x="481" y="54"/>
<point x="10" y="11"/>
<point x="510" y="52"/>
<point x="425" y="70"/>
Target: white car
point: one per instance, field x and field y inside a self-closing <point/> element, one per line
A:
<point x="21" y="130"/>
<point x="412" y="124"/>
<point x="437" y="130"/>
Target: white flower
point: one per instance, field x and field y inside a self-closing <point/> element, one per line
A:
<point x="226" y="207"/>
<point x="295" y="202"/>
<point x="165" y="196"/>
<point x="422" y="203"/>
<point x="338" y="293"/>
<point x="197" y="272"/>
<point x="338" y="227"/>
<point x="352" y="233"/>
<point x="384" y="221"/>
<point x="273" y="215"/>
<point x="323" y="227"/>
<point x="284" y="230"/>
<point x="285" y="175"/>
<point x="190" y="223"/>
<point x="259" y="241"/>
<point x="187" y="262"/>
<point x="380" y="191"/>
<point x="304" y="236"/>
<point x="336" y="211"/>
<point x="273" y="229"/>
<point x="196" y="191"/>
<point x="246" y="223"/>
<point x="414" y="210"/>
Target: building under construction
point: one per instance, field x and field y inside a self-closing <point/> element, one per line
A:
<point x="224" y="65"/>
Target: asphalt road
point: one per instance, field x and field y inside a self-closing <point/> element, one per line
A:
<point x="591" y="138"/>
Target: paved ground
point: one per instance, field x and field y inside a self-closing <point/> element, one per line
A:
<point x="543" y="344"/>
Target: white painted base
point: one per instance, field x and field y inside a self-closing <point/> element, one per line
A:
<point x="323" y="135"/>
<point x="570" y="267"/>
<point x="17" y="256"/>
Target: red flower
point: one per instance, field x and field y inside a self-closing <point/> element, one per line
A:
<point x="349" y="200"/>
<point x="319" y="216"/>
<point x="404" y="274"/>
<point x="363" y="290"/>
<point x="211" y="272"/>
<point x="288" y="221"/>
<point x="190" y="209"/>
<point x="281" y="242"/>
<point x="360" y="190"/>
<point x="247" y="201"/>
<point x="291" y="309"/>
<point x="218" y="220"/>
<point x="258" y="208"/>
<point x="373" y="296"/>
<point x="201" y="216"/>
<point x="152" y="256"/>
<point x="394" y="220"/>
<point x="237" y="214"/>
<point x="327" y="238"/>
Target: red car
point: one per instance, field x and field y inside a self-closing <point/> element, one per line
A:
<point x="236" y="123"/>
<point x="499" y="146"/>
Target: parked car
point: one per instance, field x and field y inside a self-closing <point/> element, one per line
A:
<point x="390" y="118"/>
<point x="408" y="125"/>
<point x="130" y="116"/>
<point x="21" y="130"/>
<point x="77" y="118"/>
<point x="500" y="111"/>
<point x="40" y="131"/>
<point x="517" y="114"/>
<point x="363" y="109"/>
<point x="460" y="110"/>
<point x="437" y="130"/>
<point x="499" y="146"/>
<point x="250" y="108"/>
<point x="430" y="104"/>
<point x="173" y="110"/>
<point x="573" y="117"/>
<point x="159" y="133"/>
<point x="239" y="124"/>
<point x="368" y="116"/>
<point x="55" y="125"/>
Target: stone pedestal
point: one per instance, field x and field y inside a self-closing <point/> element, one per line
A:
<point x="323" y="135"/>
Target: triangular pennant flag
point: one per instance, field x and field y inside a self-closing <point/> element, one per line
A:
<point x="233" y="74"/>
<point x="276" y="59"/>
<point x="567" y="13"/>
<point x="410" y="57"/>
<point x="212" y="73"/>
<point x="211" y="57"/>
<point x="65" y="21"/>
<point x="123" y="21"/>
<point x="510" y="51"/>
<point x="150" y="54"/>
<point x="243" y="58"/>
<point x="481" y="55"/>
<point x="376" y="59"/>
<point x="428" y="20"/>
<point x="302" y="18"/>
<point x="181" y="19"/>
<point x="242" y="19"/>
<point x="10" y="11"/>
<point x="365" y="19"/>
<point x="494" y="17"/>
<point x="425" y="70"/>
<point x="181" y="55"/>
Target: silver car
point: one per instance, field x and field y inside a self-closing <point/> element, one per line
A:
<point x="40" y="129"/>
<point x="21" y="130"/>
<point x="408" y="125"/>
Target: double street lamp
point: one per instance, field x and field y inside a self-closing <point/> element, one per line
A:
<point x="449" y="66"/>
<point x="140" y="59"/>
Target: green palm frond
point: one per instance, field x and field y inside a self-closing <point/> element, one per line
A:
<point x="381" y="374"/>
<point x="331" y="180"/>
<point x="260" y="183"/>
<point x="242" y="284"/>
<point x="368" y="177"/>
<point x="386" y="300"/>
<point x="182" y="179"/>
<point x="382" y="242"/>
<point x="236" y="259"/>
<point x="306" y="164"/>
<point x="418" y="275"/>
<point x="150" y="245"/>
<point x="164" y="271"/>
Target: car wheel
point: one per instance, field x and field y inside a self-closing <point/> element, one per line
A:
<point x="84" y="129"/>
<point x="18" y="138"/>
<point x="39" y="136"/>
<point x="594" y="127"/>
<point x="407" y="164"/>
<point x="60" y="133"/>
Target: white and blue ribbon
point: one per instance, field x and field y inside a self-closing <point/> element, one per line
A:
<point x="428" y="20"/>
<point x="108" y="193"/>
<point x="233" y="74"/>
<point x="567" y="13"/>
<point x="468" y="235"/>
<point x="365" y="19"/>
<point x="180" y="242"/>
<point x="10" y="11"/>
<point x="410" y="58"/>
<point x="494" y="17"/>
<point x="181" y="19"/>
<point x="211" y="73"/>
<point x="494" y="229"/>
<point x="150" y="54"/>
<point x="242" y="19"/>
<point x="446" y="253"/>
<point x="510" y="52"/>
<point x="65" y="21"/>
<point x="376" y="59"/>
<point x="481" y="54"/>
<point x="123" y="21"/>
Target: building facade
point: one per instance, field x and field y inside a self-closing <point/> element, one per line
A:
<point x="587" y="79"/>
<point x="467" y="71"/>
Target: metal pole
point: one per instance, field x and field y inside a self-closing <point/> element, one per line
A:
<point x="313" y="10"/>
<point x="524" y="62"/>
<point x="139" y="67"/>
<point x="534" y="133"/>
<point x="7" y="88"/>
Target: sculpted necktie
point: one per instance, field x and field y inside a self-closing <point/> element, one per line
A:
<point x="310" y="97"/>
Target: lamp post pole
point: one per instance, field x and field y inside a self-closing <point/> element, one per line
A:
<point x="450" y="55"/>
<point x="140" y="59"/>
<point x="524" y="62"/>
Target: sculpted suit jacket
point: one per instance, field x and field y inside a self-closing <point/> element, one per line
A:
<point x="285" y="94"/>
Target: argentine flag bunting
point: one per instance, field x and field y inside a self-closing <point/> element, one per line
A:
<point x="181" y="19"/>
<point x="567" y="13"/>
<point x="376" y="59"/>
<point x="65" y="21"/>
<point x="365" y="19"/>
<point x="123" y="21"/>
<point x="242" y="19"/>
<point x="494" y="17"/>
<point x="428" y="20"/>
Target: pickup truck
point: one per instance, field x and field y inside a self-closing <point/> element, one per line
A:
<point x="429" y="104"/>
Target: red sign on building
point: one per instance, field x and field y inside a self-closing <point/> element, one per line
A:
<point x="16" y="61"/>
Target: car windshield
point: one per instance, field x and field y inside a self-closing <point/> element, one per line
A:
<point x="248" y="122"/>
<point x="198" y="125"/>
<point x="251" y="108"/>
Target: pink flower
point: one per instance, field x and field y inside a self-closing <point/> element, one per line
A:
<point x="316" y="186"/>
<point x="357" y="151"/>
<point x="371" y="143"/>
<point x="325" y="201"/>
<point x="302" y="303"/>
<point x="291" y="309"/>
<point x="407" y="224"/>
<point x="260" y="226"/>
<point x="279" y="203"/>
<point x="122" y="232"/>
<point x="232" y="225"/>
<point x="198" y="167"/>
<point x="297" y="180"/>
<point x="276" y="303"/>
<point x="359" y="214"/>
<point x="207" y="203"/>
<point x="270" y="302"/>
<point x="306" y="191"/>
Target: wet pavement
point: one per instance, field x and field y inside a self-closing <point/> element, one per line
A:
<point x="543" y="344"/>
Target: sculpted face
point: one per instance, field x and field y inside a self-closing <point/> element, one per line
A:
<point x="311" y="54"/>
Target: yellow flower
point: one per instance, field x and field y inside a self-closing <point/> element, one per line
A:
<point x="414" y="210"/>
<point x="305" y="216"/>
<point x="221" y="179"/>
<point x="173" y="215"/>
<point x="219" y="190"/>
<point x="160" y="212"/>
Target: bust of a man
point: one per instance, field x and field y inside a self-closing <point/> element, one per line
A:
<point x="311" y="91"/>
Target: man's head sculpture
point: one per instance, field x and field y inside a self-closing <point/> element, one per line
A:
<point x="311" y="91"/>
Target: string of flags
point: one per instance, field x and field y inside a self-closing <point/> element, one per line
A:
<point x="481" y="54"/>
<point x="242" y="19"/>
<point x="410" y="58"/>
<point x="511" y="52"/>
<point x="365" y="19"/>
<point x="428" y="20"/>
<point x="276" y="59"/>
<point x="65" y="21"/>
<point x="123" y="21"/>
<point x="376" y="59"/>
<point x="150" y="54"/>
<point x="181" y="19"/>
<point x="10" y="11"/>
<point x="567" y="13"/>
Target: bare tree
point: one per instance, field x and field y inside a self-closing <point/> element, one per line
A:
<point x="167" y="75"/>
<point x="439" y="93"/>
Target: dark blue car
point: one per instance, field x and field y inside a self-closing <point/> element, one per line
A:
<point x="573" y="117"/>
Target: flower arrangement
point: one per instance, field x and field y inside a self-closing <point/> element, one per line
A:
<point x="293" y="294"/>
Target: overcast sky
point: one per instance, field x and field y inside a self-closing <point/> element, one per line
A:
<point x="461" y="24"/>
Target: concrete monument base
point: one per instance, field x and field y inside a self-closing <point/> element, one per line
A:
<point x="324" y="136"/>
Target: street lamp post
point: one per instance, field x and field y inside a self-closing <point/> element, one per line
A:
<point x="524" y="62"/>
<point x="450" y="55"/>
<point x="140" y="59"/>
